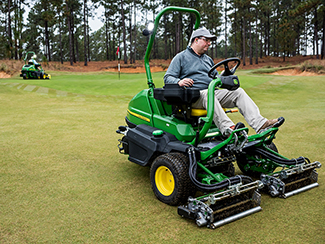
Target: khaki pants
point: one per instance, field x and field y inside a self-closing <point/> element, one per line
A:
<point x="229" y="99"/>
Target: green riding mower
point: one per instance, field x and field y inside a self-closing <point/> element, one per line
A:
<point x="192" y="163"/>
<point x="32" y="69"/>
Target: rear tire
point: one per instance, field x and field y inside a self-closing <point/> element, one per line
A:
<point x="169" y="178"/>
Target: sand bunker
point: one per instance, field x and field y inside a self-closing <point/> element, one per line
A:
<point x="290" y="72"/>
<point x="4" y="75"/>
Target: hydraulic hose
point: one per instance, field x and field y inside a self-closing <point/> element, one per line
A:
<point x="280" y="160"/>
<point x="213" y="187"/>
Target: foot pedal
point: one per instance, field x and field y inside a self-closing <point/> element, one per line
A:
<point x="279" y="123"/>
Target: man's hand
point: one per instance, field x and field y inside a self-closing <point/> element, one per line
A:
<point x="186" y="82"/>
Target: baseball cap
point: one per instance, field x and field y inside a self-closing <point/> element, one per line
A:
<point x="203" y="32"/>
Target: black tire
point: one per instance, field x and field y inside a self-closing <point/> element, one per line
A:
<point x="242" y="161"/>
<point x="169" y="179"/>
<point x="24" y="76"/>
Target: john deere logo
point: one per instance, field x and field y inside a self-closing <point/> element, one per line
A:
<point x="235" y="81"/>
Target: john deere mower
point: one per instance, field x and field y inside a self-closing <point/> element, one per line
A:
<point x="32" y="69"/>
<point x="192" y="163"/>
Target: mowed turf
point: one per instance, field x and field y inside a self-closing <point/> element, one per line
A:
<point x="62" y="179"/>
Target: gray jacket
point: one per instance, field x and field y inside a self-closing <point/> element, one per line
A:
<point x="187" y="64"/>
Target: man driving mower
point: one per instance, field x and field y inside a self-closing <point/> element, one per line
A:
<point x="190" y="68"/>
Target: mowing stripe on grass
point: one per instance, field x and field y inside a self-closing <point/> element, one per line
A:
<point x="46" y="91"/>
<point x="43" y="90"/>
<point x="29" y="88"/>
<point x="20" y="86"/>
<point x="61" y="93"/>
<point x="10" y="84"/>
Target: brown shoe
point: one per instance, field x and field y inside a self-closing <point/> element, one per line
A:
<point x="271" y="123"/>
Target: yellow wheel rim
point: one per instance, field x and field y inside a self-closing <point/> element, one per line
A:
<point x="164" y="181"/>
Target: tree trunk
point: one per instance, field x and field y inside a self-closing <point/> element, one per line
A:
<point x="226" y="47"/>
<point x="85" y="33"/>
<point x="130" y="27"/>
<point x="135" y="32"/>
<point x="165" y="37"/>
<point x="265" y="38"/>
<point x="268" y="34"/>
<point x="60" y="36"/>
<point x="114" y="45"/>
<point x="244" y="42"/>
<point x="316" y="33"/>
<point x="16" y="31"/>
<point x="19" y="30"/>
<point x="323" y="44"/>
<point x="274" y="34"/>
<point x="70" y="33"/>
<point x="250" y="41"/>
<point x="180" y="31"/>
<point x="177" y="37"/>
<point x="88" y="37"/>
<point x="277" y="41"/>
<point x="47" y="40"/>
<point x="261" y="44"/>
<point x="235" y="30"/>
<point x="77" y="49"/>
<point x="9" y="30"/>
<point x="107" y="37"/>
<point x="124" y="32"/>
<point x="256" y="37"/>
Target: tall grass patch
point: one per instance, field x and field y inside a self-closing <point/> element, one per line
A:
<point x="315" y="66"/>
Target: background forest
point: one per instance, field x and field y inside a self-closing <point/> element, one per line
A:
<point x="58" y="30"/>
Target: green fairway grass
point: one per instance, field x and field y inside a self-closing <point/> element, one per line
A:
<point x="105" y="83"/>
<point x="102" y="83"/>
<point x="62" y="179"/>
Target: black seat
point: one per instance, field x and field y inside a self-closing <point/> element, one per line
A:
<point x="181" y="99"/>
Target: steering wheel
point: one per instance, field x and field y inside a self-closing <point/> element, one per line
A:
<point x="226" y="71"/>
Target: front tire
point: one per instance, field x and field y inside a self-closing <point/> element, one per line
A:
<point x="169" y="179"/>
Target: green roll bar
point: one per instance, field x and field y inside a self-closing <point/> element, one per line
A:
<point x="26" y="56"/>
<point x="210" y="110"/>
<point x="152" y="37"/>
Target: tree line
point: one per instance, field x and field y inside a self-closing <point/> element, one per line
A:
<point x="58" y="30"/>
